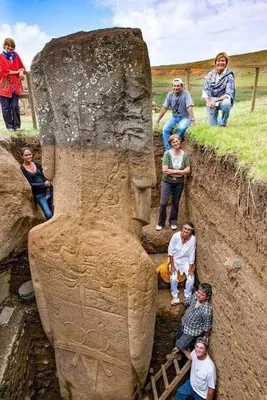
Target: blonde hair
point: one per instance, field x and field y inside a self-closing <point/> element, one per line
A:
<point x="221" y="55"/>
<point x="9" y="42"/>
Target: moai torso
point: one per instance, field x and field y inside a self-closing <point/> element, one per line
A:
<point x="94" y="283"/>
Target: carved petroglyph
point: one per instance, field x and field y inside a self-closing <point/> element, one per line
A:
<point x="94" y="283"/>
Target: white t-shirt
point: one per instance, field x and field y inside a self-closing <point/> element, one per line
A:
<point x="202" y="375"/>
<point x="183" y="253"/>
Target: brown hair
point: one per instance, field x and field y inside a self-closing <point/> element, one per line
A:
<point x="23" y="149"/>
<point x="172" y="137"/>
<point x="221" y="55"/>
<point x="9" y="42"/>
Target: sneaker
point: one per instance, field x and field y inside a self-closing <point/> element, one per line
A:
<point x="175" y="301"/>
<point x="174" y="227"/>
<point x="17" y="129"/>
<point x="10" y="129"/>
<point x="159" y="228"/>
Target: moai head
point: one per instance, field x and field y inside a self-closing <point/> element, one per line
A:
<point x="93" y="95"/>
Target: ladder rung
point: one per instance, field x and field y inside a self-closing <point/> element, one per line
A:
<point x="154" y="388"/>
<point x="164" y="375"/>
<point x="176" y="366"/>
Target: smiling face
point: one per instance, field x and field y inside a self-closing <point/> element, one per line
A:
<point x="176" y="143"/>
<point x="201" y="296"/>
<point x="27" y="156"/>
<point x="186" y="232"/>
<point x="177" y="88"/>
<point x="220" y="64"/>
<point x="200" y="350"/>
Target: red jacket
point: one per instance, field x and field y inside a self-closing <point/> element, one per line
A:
<point x="7" y="82"/>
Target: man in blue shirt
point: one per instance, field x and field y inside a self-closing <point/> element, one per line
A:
<point x="181" y="104"/>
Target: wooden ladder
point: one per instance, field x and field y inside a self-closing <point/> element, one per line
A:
<point x="169" y="386"/>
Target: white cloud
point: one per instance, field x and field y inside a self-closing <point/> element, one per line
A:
<point x="182" y="31"/>
<point x="29" y="39"/>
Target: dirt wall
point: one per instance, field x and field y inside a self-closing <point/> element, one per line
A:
<point x="230" y="218"/>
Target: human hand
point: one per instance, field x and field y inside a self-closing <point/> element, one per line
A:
<point x="211" y="103"/>
<point x="191" y="273"/>
<point x="172" y="270"/>
<point x="167" y="171"/>
<point x="47" y="183"/>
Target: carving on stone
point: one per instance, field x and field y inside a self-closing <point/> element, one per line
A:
<point x="94" y="283"/>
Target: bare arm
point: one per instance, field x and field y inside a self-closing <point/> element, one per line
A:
<point x="191" y="114"/>
<point x="211" y="393"/>
<point x="19" y="71"/>
<point x="191" y="269"/>
<point x="187" y="353"/>
<point x="172" y="270"/>
<point x="161" y="113"/>
<point x="176" y="172"/>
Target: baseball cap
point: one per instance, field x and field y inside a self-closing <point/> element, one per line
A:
<point x="177" y="81"/>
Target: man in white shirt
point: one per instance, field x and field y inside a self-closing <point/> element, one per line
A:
<point x="201" y="384"/>
<point x="181" y="252"/>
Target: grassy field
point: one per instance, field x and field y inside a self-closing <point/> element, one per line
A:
<point x="246" y="133"/>
<point x="162" y="77"/>
<point x="245" y="136"/>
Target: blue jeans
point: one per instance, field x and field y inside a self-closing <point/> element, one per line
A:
<point x="213" y="113"/>
<point x="186" y="391"/>
<point x="182" y="124"/>
<point x="45" y="204"/>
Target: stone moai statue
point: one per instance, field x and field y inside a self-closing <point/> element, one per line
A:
<point x="94" y="283"/>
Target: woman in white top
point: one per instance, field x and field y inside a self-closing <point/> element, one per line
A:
<point x="181" y="252"/>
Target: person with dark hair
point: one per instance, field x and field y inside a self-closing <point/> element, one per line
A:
<point x="175" y="166"/>
<point x="219" y="91"/>
<point x="41" y="187"/>
<point x="202" y="382"/>
<point x="12" y="73"/>
<point x="181" y="252"/>
<point x="181" y="104"/>
<point x="197" y="320"/>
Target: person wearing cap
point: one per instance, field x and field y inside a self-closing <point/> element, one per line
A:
<point x="12" y="73"/>
<point x="181" y="252"/>
<point x="202" y="382"/>
<point x="219" y="91"/>
<point x="197" y="320"/>
<point x="181" y="104"/>
<point x="175" y="166"/>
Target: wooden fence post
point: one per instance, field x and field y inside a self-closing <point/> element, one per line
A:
<point x="31" y="100"/>
<point x="187" y="78"/>
<point x="257" y="70"/>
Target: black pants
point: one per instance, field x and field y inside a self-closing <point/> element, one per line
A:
<point x="10" y="110"/>
<point x="167" y="190"/>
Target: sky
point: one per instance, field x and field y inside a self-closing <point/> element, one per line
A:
<point x="176" y="31"/>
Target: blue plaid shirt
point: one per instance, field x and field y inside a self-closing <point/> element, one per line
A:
<point x="196" y="320"/>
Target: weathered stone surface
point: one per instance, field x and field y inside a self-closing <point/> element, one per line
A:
<point x="94" y="283"/>
<point x="18" y="213"/>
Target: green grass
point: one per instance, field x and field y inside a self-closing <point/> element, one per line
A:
<point x="26" y="125"/>
<point x="245" y="136"/>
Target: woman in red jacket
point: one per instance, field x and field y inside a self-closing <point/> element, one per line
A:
<point x="11" y="74"/>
